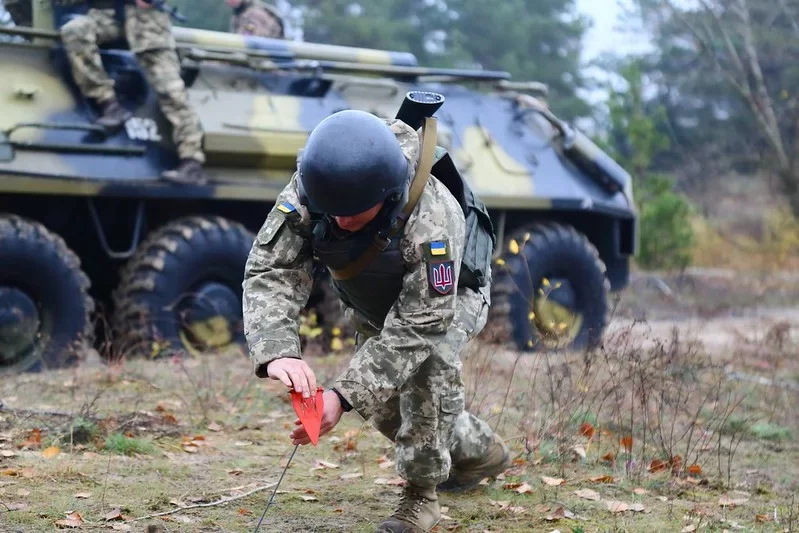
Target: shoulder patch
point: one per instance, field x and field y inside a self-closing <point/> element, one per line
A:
<point x="285" y="207"/>
<point x="440" y="267"/>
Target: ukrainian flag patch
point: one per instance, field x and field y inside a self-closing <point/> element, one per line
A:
<point x="438" y="248"/>
<point x="286" y="207"/>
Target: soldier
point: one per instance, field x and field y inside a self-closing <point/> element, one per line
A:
<point x="149" y="34"/>
<point x="253" y="17"/>
<point x="355" y="179"/>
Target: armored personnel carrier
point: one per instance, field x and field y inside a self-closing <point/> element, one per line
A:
<point x="86" y="225"/>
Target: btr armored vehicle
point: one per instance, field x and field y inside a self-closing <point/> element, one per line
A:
<point x="88" y="229"/>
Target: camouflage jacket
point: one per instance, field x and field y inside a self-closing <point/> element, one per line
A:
<point x="278" y="282"/>
<point x="257" y="18"/>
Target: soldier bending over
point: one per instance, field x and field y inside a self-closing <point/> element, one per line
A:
<point x="149" y="34"/>
<point x="354" y="179"/>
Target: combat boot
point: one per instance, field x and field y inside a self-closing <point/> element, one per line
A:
<point x="468" y="475"/>
<point x="113" y="116"/>
<point x="189" y="171"/>
<point x="418" y="512"/>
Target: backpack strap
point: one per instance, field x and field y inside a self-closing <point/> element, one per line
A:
<point x="429" y="138"/>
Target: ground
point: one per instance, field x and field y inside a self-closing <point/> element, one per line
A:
<point x="685" y="420"/>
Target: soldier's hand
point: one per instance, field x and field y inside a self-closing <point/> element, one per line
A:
<point x="294" y="373"/>
<point x="330" y="417"/>
<point x="141" y="4"/>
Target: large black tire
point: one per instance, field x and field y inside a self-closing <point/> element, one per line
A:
<point x="182" y="290"/>
<point x="535" y="312"/>
<point x="45" y="307"/>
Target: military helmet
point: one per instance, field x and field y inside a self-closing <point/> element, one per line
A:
<point x="351" y="162"/>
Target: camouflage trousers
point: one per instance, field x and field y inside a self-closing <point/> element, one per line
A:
<point x="150" y="38"/>
<point x="426" y="420"/>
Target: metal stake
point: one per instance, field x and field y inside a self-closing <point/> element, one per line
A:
<point x="272" y="498"/>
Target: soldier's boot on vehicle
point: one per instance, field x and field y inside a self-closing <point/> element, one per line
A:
<point x="417" y="512"/>
<point x="468" y="475"/>
<point x="190" y="171"/>
<point x="113" y="115"/>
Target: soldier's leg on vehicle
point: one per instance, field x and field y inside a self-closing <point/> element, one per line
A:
<point x="81" y="37"/>
<point x="162" y="69"/>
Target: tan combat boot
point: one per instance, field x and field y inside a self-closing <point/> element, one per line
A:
<point x="468" y="475"/>
<point x="418" y="512"/>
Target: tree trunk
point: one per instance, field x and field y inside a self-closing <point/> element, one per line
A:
<point x="789" y="181"/>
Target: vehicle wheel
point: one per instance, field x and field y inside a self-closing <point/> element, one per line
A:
<point x="182" y="290"/>
<point x="552" y="287"/>
<point x="45" y="307"/>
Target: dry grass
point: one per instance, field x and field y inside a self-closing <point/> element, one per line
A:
<point x="682" y="431"/>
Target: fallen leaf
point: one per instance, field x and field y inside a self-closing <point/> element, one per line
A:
<point x="320" y="464"/>
<point x="397" y="481"/>
<point x="559" y="513"/>
<point x="52" y="451"/>
<point x="190" y="448"/>
<point x="580" y="451"/>
<point x="243" y="443"/>
<point x="8" y="453"/>
<point x="83" y="495"/>
<point x="602" y="479"/>
<point x="16" y="506"/>
<point x="213" y="426"/>
<point x="386" y="464"/>
<point x="627" y="442"/>
<point x="588" y="494"/>
<point x="524" y="488"/>
<point x="23" y="492"/>
<point x="120" y="527"/>
<point x="688" y="529"/>
<point x="587" y="430"/>
<point x="116" y="514"/>
<point x="637" y="507"/>
<point x="552" y="481"/>
<point x="695" y="470"/>
<point x="244" y="512"/>
<point x="726" y="501"/>
<point x="617" y="507"/>
<point x="663" y="498"/>
<point x="72" y="520"/>
<point x="610" y="456"/>
<point x="352" y="475"/>
<point x="34" y="439"/>
<point x="309" y="498"/>
<point x="761" y="518"/>
<point x="657" y="465"/>
<point x="641" y="492"/>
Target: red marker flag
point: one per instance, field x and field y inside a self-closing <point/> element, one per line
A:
<point x="310" y="411"/>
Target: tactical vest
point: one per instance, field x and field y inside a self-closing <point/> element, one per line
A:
<point x="375" y="289"/>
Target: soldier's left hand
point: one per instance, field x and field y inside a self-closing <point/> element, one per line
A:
<point x="330" y="417"/>
<point x="141" y="4"/>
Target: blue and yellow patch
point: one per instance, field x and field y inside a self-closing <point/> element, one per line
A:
<point x="286" y="207"/>
<point x="438" y="248"/>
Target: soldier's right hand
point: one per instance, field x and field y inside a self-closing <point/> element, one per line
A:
<point x="294" y="373"/>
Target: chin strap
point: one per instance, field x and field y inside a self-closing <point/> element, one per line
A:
<point x="380" y="242"/>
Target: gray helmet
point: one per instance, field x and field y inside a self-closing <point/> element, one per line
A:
<point x="351" y="162"/>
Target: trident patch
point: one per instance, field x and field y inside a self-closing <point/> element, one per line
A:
<point x="441" y="276"/>
<point x="440" y="268"/>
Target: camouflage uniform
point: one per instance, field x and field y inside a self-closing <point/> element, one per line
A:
<point x="406" y="373"/>
<point x="257" y="18"/>
<point x="149" y="35"/>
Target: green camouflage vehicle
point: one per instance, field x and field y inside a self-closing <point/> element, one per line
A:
<point x="86" y="225"/>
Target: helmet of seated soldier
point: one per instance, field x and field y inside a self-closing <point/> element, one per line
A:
<point x="351" y="162"/>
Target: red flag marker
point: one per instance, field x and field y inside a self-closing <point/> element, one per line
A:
<point x="310" y="411"/>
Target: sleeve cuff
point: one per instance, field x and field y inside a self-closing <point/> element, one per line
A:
<point x="362" y="400"/>
<point x="264" y="352"/>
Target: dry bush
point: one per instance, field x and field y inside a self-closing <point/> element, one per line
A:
<point x="638" y="404"/>
<point x="775" y="248"/>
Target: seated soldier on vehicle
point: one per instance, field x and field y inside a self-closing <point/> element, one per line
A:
<point x="253" y="17"/>
<point x="149" y="35"/>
